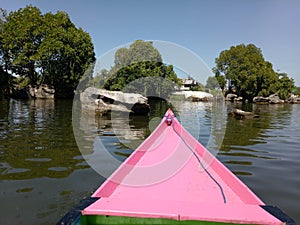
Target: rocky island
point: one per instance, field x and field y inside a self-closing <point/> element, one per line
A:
<point x="103" y="101"/>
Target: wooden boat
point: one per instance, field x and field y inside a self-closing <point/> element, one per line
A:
<point x="172" y="179"/>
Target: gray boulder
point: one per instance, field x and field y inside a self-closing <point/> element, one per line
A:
<point x="102" y="101"/>
<point x="294" y="99"/>
<point x="41" y="92"/>
<point x="230" y="97"/>
<point x="260" y="99"/>
<point x="272" y="99"/>
<point x="240" y="114"/>
<point x="238" y="99"/>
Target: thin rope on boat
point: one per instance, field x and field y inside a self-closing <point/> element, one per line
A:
<point x="198" y="159"/>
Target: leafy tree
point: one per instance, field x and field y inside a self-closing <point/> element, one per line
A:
<point x="143" y="51"/>
<point x="122" y="57"/>
<point x="285" y="86"/>
<point x="220" y="78"/>
<point x="46" y="48"/>
<point x="6" y="79"/>
<point x="246" y="71"/>
<point x="66" y="53"/>
<point x="21" y="36"/>
<point x="222" y="82"/>
<point x="212" y="83"/>
<point x="151" y="87"/>
<point x="99" y="79"/>
<point x="140" y="60"/>
<point x="297" y="91"/>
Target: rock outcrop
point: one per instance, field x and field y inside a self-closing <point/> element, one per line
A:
<point x="294" y="99"/>
<point x="102" y="101"/>
<point x="272" y="99"/>
<point x="240" y="114"/>
<point x="41" y="92"/>
<point x="261" y="100"/>
<point x="230" y="97"/>
<point x="195" y="95"/>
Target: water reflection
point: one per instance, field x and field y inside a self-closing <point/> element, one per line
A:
<point x="31" y="146"/>
<point x="106" y="141"/>
<point x="247" y="139"/>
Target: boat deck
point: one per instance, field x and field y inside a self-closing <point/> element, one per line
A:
<point x="171" y="175"/>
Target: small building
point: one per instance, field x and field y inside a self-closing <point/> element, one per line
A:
<point x="187" y="83"/>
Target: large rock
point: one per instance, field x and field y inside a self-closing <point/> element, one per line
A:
<point x="272" y="99"/>
<point x="41" y="92"/>
<point x="238" y="99"/>
<point x="294" y="99"/>
<point x="195" y="95"/>
<point x="240" y="114"/>
<point x="102" y="101"/>
<point x="230" y="97"/>
<point x="261" y="100"/>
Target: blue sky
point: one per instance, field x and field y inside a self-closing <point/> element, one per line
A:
<point x="205" y="27"/>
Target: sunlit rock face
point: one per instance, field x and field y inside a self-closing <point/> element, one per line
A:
<point x="103" y="101"/>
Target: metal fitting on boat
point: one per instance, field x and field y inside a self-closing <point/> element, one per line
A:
<point x="169" y="121"/>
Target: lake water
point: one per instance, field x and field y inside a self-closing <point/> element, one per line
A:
<point x="47" y="164"/>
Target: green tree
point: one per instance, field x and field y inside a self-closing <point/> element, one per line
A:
<point x="297" y="90"/>
<point x="285" y="86"/>
<point x="65" y="53"/>
<point x="222" y="82"/>
<point x="6" y="79"/>
<point x="21" y="36"/>
<point x="220" y="78"/>
<point x="46" y="48"/>
<point x="246" y="71"/>
<point x="122" y="58"/>
<point x="212" y="83"/>
<point x="140" y="60"/>
<point x="99" y="79"/>
<point x="143" y="51"/>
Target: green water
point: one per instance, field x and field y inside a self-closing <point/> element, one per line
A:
<point x="43" y="173"/>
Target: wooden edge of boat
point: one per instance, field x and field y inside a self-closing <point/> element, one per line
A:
<point x="75" y="217"/>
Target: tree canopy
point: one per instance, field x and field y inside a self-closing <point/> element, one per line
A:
<point x="247" y="72"/>
<point x="140" y="60"/>
<point x="212" y="83"/>
<point x="45" y="49"/>
<point x="6" y="80"/>
<point x="138" y="51"/>
<point x="285" y="86"/>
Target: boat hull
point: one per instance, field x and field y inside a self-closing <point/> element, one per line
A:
<point x="172" y="179"/>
